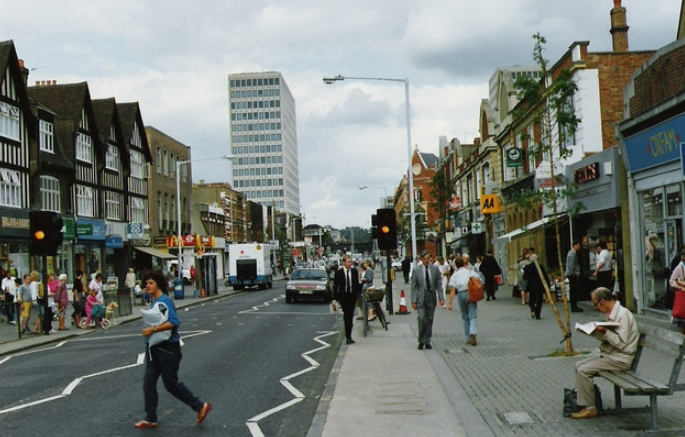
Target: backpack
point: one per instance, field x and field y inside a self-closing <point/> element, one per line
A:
<point x="475" y="288"/>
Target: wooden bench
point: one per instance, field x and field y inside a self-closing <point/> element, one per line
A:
<point x="668" y="344"/>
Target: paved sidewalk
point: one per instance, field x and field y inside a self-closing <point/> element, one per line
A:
<point x="29" y="341"/>
<point x="505" y="386"/>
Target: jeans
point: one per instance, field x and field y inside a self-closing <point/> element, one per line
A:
<point x="469" y="314"/>
<point x="164" y="360"/>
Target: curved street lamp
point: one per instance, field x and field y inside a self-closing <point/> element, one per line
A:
<point x="331" y="81"/>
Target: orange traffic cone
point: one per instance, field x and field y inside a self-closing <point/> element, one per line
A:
<point x="403" y="304"/>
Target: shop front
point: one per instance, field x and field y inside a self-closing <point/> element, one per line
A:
<point x="14" y="241"/>
<point x="656" y="176"/>
<point x="117" y="253"/>
<point x="597" y="218"/>
<point x="89" y="246"/>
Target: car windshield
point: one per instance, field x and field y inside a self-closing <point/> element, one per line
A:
<point x="313" y="274"/>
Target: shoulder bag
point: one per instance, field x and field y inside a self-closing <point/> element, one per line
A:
<point x="475" y="288"/>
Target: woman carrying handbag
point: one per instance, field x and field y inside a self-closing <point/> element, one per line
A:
<point x="677" y="282"/>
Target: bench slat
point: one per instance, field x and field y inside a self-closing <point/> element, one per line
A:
<point x="661" y="346"/>
<point x="632" y="383"/>
<point x="663" y="334"/>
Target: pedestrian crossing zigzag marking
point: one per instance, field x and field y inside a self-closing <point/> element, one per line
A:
<point x="252" y="424"/>
<point x="263" y="305"/>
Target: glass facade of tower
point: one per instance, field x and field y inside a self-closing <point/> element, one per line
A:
<point x="263" y="129"/>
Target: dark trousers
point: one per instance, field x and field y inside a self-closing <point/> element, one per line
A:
<point x="535" y="300"/>
<point x="604" y="280"/>
<point x="490" y="288"/>
<point x="47" y="321"/>
<point x="348" y="302"/>
<point x="164" y="360"/>
<point x="573" y="290"/>
<point x="10" y="308"/>
<point x="426" y="310"/>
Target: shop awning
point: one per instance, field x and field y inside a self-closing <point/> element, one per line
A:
<point x="506" y="238"/>
<point x="156" y="252"/>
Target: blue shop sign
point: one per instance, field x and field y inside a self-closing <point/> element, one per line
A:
<point x="96" y="233"/>
<point x="655" y="146"/>
<point x="114" y="242"/>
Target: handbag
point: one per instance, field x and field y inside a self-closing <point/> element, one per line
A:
<point x="498" y="279"/>
<point x="475" y="289"/>
<point x="678" y="311"/>
<point x="571" y="401"/>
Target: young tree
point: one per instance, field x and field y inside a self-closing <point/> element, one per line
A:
<point x="442" y="191"/>
<point x="548" y="103"/>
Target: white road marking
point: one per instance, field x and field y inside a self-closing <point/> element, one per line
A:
<point x="252" y="424"/>
<point x="265" y="304"/>
<point x="75" y="383"/>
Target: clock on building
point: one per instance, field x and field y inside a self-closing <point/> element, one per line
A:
<point x="416" y="169"/>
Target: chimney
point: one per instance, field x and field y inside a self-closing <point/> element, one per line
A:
<point x="24" y="71"/>
<point x="476" y="141"/>
<point x="619" y="28"/>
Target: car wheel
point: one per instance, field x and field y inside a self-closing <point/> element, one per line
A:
<point x="288" y="299"/>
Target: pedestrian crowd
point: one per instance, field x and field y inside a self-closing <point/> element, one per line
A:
<point x="35" y="306"/>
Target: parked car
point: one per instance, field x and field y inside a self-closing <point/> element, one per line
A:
<point x="308" y="283"/>
<point x="397" y="264"/>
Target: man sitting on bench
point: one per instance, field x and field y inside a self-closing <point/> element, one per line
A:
<point x="617" y="349"/>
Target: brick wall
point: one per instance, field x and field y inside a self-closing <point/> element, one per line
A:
<point x="659" y="81"/>
<point x="614" y="70"/>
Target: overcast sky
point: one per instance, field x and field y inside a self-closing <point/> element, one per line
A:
<point x="174" y="56"/>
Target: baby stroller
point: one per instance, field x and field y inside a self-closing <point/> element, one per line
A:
<point x="97" y="318"/>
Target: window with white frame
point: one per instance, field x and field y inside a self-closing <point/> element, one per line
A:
<point x="50" y="193"/>
<point x="84" y="201"/>
<point x="112" y="209"/>
<point x="137" y="165"/>
<point x="9" y="121"/>
<point x="138" y="210"/>
<point x="46" y="139"/>
<point x="112" y="158"/>
<point x="10" y="188"/>
<point x="159" y="160"/>
<point x="84" y="148"/>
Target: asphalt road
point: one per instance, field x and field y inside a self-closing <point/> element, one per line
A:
<point x="243" y="353"/>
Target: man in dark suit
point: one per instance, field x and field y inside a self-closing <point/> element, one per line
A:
<point x="425" y="290"/>
<point x="346" y="289"/>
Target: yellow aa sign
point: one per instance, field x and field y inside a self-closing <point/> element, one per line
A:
<point x="490" y="204"/>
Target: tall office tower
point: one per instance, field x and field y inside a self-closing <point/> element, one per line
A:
<point x="263" y="129"/>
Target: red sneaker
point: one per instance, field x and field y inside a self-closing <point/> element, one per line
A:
<point x="144" y="424"/>
<point x="202" y="414"/>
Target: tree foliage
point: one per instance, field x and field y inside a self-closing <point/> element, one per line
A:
<point x="548" y="103"/>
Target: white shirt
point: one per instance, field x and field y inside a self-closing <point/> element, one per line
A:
<point x="460" y="279"/>
<point x="95" y="285"/>
<point x="604" y="258"/>
<point x="8" y="286"/>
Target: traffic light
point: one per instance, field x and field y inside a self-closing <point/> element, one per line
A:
<point x="386" y="228"/>
<point x="46" y="233"/>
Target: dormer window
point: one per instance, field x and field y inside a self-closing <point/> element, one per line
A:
<point x="84" y="148"/>
<point x="9" y="121"/>
<point x="47" y="137"/>
<point x="112" y="158"/>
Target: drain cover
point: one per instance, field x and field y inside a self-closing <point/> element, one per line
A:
<point x="517" y="417"/>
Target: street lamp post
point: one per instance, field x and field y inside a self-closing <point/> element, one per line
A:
<point x="385" y="190"/>
<point x="332" y="80"/>
<point x="178" y="208"/>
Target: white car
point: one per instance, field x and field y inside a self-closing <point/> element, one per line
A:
<point x="397" y="264"/>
